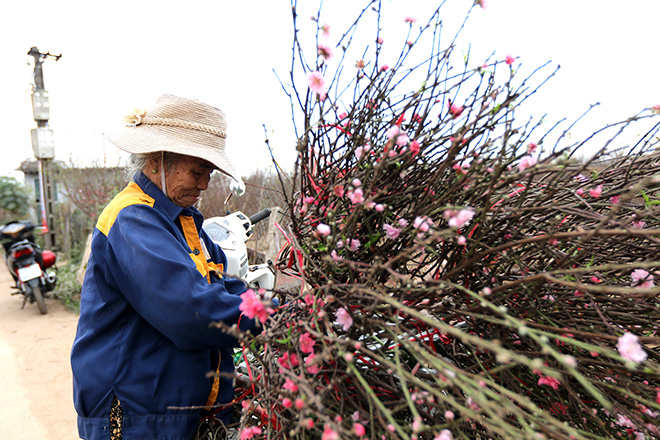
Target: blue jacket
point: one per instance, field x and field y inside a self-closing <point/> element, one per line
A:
<point x="143" y="335"/>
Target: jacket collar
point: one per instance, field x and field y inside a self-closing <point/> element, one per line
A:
<point x="172" y="210"/>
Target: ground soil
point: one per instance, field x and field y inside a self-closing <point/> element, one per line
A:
<point x="35" y="373"/>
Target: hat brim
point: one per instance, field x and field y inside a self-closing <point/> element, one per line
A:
<point x="144" y="139"/>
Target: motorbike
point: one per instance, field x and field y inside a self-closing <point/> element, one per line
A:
<point x="32" y="268"/>
<point x="231" y="232"/>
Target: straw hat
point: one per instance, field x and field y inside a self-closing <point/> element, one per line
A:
<point x="178" y="125"/>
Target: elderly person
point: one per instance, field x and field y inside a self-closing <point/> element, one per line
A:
<point x="154" y="284"/>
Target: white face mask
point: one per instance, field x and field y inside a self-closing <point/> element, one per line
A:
<point x="162" y="173"/>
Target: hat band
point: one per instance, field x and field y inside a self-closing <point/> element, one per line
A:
<point x="167" y="122"/>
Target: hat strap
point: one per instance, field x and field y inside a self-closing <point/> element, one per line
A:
<point x="168" y="122"/>
<point x="162" y="173"/>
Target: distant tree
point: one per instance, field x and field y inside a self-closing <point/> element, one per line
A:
<point x="91" y="188"/>
<point x="13" y="199"/>
<point x="263" y="190"/>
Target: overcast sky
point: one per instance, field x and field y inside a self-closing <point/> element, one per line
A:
<point x="118" y="55"/>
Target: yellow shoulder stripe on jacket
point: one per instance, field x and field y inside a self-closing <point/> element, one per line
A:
<point x="131" y="195"/>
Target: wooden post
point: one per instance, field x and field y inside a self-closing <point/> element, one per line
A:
<point x="273" y="236"/>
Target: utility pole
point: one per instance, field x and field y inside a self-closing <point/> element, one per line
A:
<point x="42" y="144"/>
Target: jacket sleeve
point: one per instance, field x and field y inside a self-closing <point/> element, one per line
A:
<point x="232" y="284"/>
<point x="151" y="267"/>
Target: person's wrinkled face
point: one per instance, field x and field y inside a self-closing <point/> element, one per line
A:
<point x="186" y="178"/>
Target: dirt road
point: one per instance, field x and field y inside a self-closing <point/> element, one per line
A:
<point x="35" y="374"/>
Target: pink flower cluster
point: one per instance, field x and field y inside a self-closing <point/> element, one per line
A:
<point x="253" y="307"/>
<point x="548" y="381"/>
<point x="445" y="434"/>
<point x="596" y="192"/>
<point x="323" y="230"/>
<point x="455" y="110"/>
<point x="325" y="50"/>
<point x="526" y="162"/>
<point x="423" y="223"/>
<point x="396" y="133"/>
<point x="316" y="84"/>
<point x="630" y="349"/>
<point x="344" y="319"/>
<point x="641" y="279"/>
<point x="329" y="434"/>
<point x="391" y="231"/>
<point x="457" y="218"/>
<point x="356" y="196"/>
<point x="249" y="432"/>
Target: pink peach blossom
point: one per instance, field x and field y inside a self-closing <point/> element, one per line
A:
<point x="526" y="162"/>
<point x="252" y="306"/>
<point x="639" y="224"/>
<point x="410" y="20"/>
<point x="288" y="361"/>
<point x="458" y="218"/>
<point x="353" y="244"/>
<point x="596" y="192"/>
<point x="379" y="40"/>
<point x="445" y="434"/>
<point x="624" y="421"/>
<point x="509" y="60"/>
<point x="326" y="30"/>
<point x="402" y="139"/>
<point x="289" y="385"/>
<point x="306" y="343"/>
<point x="310" y="364"/>
<point x="317" y="83"/>
<point x="482" y="3"/>
<point x="423" y="223"/>
<point x="455" y="110"/>
<point x="329" y="434"/>
<point x="356" y="196"/>
<point x="344" y="318"/>
<point x="325" y="50"/>
<point x="641" y="279"/>
<point x="630" y="348"/>
<point x="615" y="199"/>
<point x="531" y="148"/>
<point x="549" y="381"/>
<point x="323" y="230"/>
<point x="249" y="432"/>
<point x="359" y="429"/>
<point x="391" y="232"/>
<point x="414" y="147"/>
